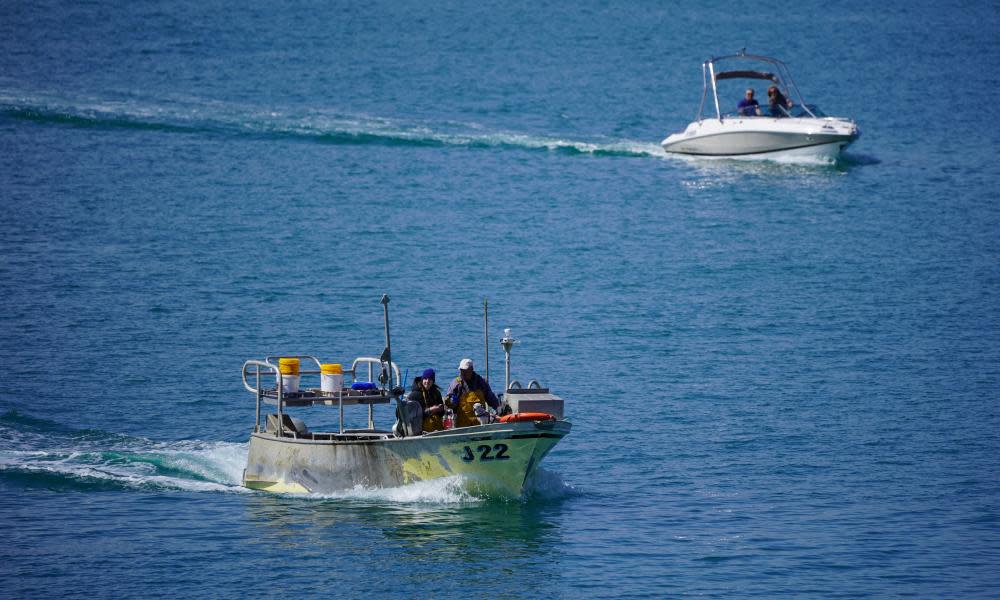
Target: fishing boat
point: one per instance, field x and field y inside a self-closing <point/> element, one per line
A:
<point x="790" y="129"/>
<point x="497" y="456"/>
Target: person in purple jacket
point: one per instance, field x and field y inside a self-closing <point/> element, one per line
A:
<point x="748" y="107"/>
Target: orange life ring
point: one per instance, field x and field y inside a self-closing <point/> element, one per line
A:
<point x="527" y="416"/>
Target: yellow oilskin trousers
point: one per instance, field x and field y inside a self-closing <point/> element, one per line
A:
<point x="433" y="423"/>
<point x="465" y="415"/>
<point x="430" y="422"/>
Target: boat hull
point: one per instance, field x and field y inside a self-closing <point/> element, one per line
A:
<point x="498" y="458"/>
<point x="764" y="138"/>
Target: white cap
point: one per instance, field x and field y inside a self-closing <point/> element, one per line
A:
<point x="465" y="364"/>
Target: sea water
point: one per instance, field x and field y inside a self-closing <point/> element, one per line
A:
<point x="783" y="379"/>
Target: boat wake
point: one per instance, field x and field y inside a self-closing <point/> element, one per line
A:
<point x="327" y="126"/>
<point x="446" y="490"/>
<point x="814" y="162"/>
<point x="39" y="453"/>
<point x="456" y="489"/>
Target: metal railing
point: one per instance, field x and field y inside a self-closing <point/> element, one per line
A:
<point x="271" y="368"/>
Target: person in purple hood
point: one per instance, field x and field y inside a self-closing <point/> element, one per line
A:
<point x="428" y="394"/>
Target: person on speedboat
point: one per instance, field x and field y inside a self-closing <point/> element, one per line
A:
<point x="468" y="389"/>
<point x="777" y="103"/>
<point x="428" y="394"/>
<point x="748" y="106"/>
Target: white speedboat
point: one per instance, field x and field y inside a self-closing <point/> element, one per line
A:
<point x="497" y="456"/>
<point x="789" y="129"/>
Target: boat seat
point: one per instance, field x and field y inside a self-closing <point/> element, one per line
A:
<point x="293" y="426"/>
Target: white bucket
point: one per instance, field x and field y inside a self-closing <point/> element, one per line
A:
<point x="331" y="383"/>
<point x="331" y="378"/>
<point x="289" y="384"/>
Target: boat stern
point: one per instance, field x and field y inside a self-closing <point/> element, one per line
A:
<point x="672" y="142"/>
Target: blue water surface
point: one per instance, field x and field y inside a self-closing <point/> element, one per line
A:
<point x="783" y="379"/>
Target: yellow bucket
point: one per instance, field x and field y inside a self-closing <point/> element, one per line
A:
<point x="289" y="377"/>
<point x="288" y="366"/>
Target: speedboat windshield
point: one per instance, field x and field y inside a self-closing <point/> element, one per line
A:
<point x="800" y="111"/>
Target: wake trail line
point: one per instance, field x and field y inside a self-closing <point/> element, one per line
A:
<point x="319" y="126"/>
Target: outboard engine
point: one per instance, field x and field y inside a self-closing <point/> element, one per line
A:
<point x="409" y="418"/>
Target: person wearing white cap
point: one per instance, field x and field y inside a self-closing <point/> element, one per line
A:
<point x="468" y="389"/>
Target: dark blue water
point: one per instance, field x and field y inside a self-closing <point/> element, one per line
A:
<point x="783" y="378"/>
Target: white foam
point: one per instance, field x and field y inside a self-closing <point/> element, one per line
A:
<point x="132" y="478"/>
<point x="216" y="461"/>
<point x="455" y="489"/>
<point x="758" y="159"/>
<point x="549" y="485"/>
<point x="445" y="490"/>
<point x="132" y="462"/>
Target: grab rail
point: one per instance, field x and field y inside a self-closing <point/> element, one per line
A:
<point x="259" y="393"/>
<point x="371" y="362"/>
<point x="259" y="363"/>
